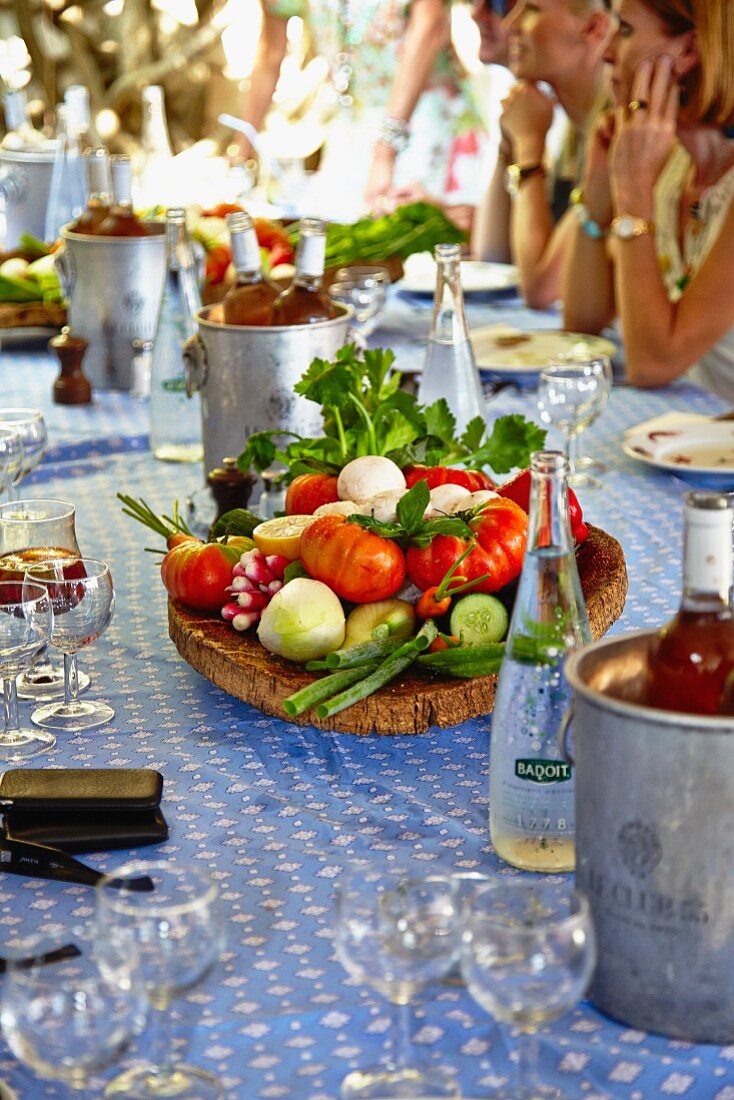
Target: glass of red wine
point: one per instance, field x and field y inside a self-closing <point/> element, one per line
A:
<point x="83" y="600"/>
<point x="26" y="622"/>
<point x="33" y="531"/>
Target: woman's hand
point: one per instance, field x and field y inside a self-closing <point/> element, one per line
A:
<point x="526" y="118"/>
<point x="377" y="193"/>
<point x="596" y="185"/>
<point x="643" y="137"/>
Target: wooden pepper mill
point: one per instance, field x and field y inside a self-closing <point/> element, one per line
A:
<point x="72" y="387"/>
<point x="230" y="487"/>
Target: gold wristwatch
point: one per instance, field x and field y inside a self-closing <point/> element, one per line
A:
<point x="516" y="174"/>
<point x="626" y="227"/>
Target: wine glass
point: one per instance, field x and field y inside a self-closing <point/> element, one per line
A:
<point x="83" y="600"/>
<point x="397" y="934"/>
<point x="177" y="930"/>
<point x="68" y="1019"/>
<point x="364" y="288"/>
<point x="31" y="427"/>
<point x="26" y="623"/>
<point x="31" y="531"/>
<point x="528" y="955"/>
<point x="571" y="394"/>
<point x="11" y="456"/>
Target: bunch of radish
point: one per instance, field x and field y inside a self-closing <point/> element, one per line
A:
<point x="255" y="580"/>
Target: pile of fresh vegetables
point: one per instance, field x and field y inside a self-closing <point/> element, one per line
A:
<point x="29" y="274"/>
<point x="210" y="229"/>
<point x="396" y="548"/>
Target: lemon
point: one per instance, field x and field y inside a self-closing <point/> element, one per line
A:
<point x="281" y="535"/>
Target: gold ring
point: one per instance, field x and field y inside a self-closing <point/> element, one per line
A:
<point x="637" y="105"/>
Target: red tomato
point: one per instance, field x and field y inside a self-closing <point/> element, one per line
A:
<point x="501" y="535"/>
<point x="307" y="492"/>
<point x="218" y="260"/>
<point x="268" y="234"/>
<point x="281" y="253"/>
<point x="197" y="573"/>
<point x="357" y="565"/>
<point x="471" y="480"/>
<point x="518" y="489"/>
<point x="221" y="210"/>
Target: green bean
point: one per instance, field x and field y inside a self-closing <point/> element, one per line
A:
<point x="322" y="689"/>
<point x="386" y="671"/>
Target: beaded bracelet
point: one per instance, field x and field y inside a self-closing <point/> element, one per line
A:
<point x="394" y="132"/>
<point x="591" y="228"/>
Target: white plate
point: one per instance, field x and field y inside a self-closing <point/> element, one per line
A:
<point x="29" y="334"/>
<point x="476" y="277"/>
<point x="520" y="356"/>
<point x="701" y="453"/>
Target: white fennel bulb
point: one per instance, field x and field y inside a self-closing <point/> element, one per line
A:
<point x="303" y="621"/>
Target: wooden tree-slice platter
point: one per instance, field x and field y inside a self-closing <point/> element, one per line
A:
<point x="418" y="700"/>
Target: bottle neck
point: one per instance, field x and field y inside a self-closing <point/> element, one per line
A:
<point x="549" y="525"/>
<point x="154" y="136"/>
<point x="122" y="184"/>
<point x="310" y="257"/>
<point x="98" y="179"/>
<point x="246" y="256"/>
<point x="449" y="324"/>
<point x="707" y="560"/>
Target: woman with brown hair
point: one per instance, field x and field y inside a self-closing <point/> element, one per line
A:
<point x="654" y="240"/>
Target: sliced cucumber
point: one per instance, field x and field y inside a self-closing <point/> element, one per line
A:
<point x="478" y="619"/>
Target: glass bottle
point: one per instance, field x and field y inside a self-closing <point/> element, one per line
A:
<point x="122" y="221"/>
<point x="67" y="190"/>
<point x="531" y="796"/>
<point x="693" y="655"/>
<point x="99" y="191"/>
<point x="79" y="113"/>
<point x="21" y="136"/>
<point x="305" y="301"/>
<point x="449" y="370"/>
<point x="155" y="182"/>
<point x="249" y="300"/>
<point x="175" y="418"/>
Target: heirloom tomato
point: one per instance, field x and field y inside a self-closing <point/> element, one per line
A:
<point x="471" y="480"/>
<point x="307" y="492"/>
<point x="197" y="574"/>
<point x="518" y="489"/>
<point x="500" y="532"/>
<point x="357" y="565"/>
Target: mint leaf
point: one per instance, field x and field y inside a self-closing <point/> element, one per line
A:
<point x="412" y="505"/>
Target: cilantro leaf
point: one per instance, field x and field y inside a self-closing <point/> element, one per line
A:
<point x="511" y="443"/>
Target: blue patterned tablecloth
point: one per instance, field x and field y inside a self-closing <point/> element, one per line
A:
<point x="276" y="810"/>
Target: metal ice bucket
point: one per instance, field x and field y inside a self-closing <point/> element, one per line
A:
<point x="114" y="286"/>
<point x="246" y="375"/>
<point x="25" y="185"/>
<point x="654" y="847"/>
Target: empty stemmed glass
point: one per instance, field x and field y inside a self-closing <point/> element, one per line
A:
<point x="397" y="934"/>
<point x="31" y="427"/>
<point x="528" y="955"/>
<point x="33" y="531"/>
<point x="177" y="931"/>
<point x="364" y="288"/>
<point x="571" y="394"/>
<point x="11" y="456"/>
<point x="67" y="1019"/>
<point x="26" y="623"/>
<point x="83" y="601"/>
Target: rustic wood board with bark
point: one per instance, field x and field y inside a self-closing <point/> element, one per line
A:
<point x="413" y="703"/>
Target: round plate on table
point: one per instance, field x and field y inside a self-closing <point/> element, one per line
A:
<point x="411" y="704"/>
<point x="512" y="355"/>
<point x="477" y="277"/>
<point x="700" y="453"/>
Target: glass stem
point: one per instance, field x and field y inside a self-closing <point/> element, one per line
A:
<point x="10" y="707"/>
<point x="400" y="1042"/>
<point x="527" y="1059"/>
<point x="572" y="451"/>
<point x="160" y="1041"/>
<point x="71" y="680"/>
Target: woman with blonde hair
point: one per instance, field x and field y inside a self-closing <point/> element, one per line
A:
<point x="654" y="240"/>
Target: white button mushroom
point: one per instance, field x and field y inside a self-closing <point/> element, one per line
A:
<point x="339" y="508"/>
<point x="383" y="506"/>
<point x="474" y="500"/>
<point x="363" y="478"/>
<point x="444" y="497"/>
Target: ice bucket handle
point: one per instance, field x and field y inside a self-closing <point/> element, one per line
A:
<point x="563" y="731"/>
<point x="196" y="364"/>
<point x="65" y="269"/>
